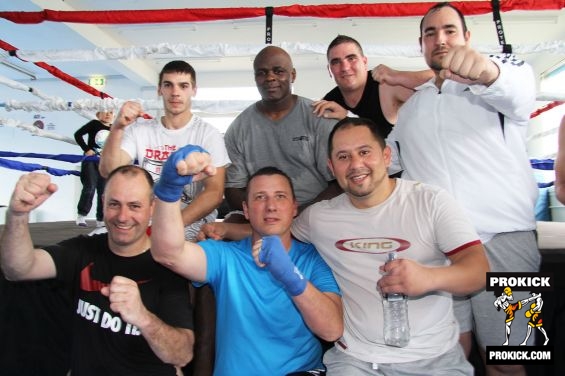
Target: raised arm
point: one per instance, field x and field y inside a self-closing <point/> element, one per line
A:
<point x="20" y="260"/>
<point x="168" y="246"/>
<point x="396" y="87"/>
<point x="322" y="311"/>
<point x="466" y="274"/>
<point x="113" y="156"/>
<point x="407" y="79"/>
<point x="172" y="345"/>
<point x="207" y="200"/>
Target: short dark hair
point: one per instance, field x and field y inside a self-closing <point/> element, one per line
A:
<point x="340" y="39"/>
<point x="131" y="170"/>
<point x="349" y="122"/>
<point x="439" y="6"/>
<point x="178" y="66"/>
<point x="268" y="171"/>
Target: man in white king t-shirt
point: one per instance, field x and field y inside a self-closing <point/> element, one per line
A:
<point x="439" y="254"/>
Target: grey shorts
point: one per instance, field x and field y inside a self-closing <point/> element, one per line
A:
<point x="452" y="363"/>
<point x="506" y="252"/>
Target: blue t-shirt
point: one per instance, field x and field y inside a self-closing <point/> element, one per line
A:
<point x="259" y="330"/>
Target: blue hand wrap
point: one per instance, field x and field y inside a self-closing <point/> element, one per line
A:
<point x="170" y="185"/>
<point x="281" y="266"/>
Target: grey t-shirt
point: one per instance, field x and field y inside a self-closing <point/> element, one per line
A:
<point x="296" y="144"/>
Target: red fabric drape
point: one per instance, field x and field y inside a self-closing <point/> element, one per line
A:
<point x="320" y="11"/>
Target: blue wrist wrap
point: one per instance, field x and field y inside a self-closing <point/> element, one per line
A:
<point x="170" y="185"/>
<point x="281" y="266"/>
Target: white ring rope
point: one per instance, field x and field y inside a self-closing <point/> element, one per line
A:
<point x="218" y="107"/>
<point x="35" y="130"/>
<point x="51" y="99"/>
<point x="167" y="50"/>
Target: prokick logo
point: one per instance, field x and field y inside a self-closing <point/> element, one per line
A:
<point x="533" y="286"/>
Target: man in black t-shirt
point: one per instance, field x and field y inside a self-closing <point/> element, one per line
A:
<point x="130" y="315"/>
<point x="373" y="95"/>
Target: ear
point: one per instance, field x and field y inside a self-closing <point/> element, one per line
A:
<point x="195" y="90"/>
<point x="420" y="43"/>
<point x="245" y="210"/>
<point x="152" y="208"/>
<point x="293" y="75"/>
<point x="331" y="166"/>
<point x="330" y="71"/>
<point x="159" y="91"/>
<point x="467" y="36"/>
<point x="387" y="156"/>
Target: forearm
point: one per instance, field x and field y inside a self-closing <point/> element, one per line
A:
<point x="111" y="157"/>
<point x="167" y="232"/>
<point x="322" y="312"/>
<point x="16" y="246"/>
<point x="201" y="206"/>
<point x="172" y="345"/>
<point x="513" y="93"/>
<point x="467" y="274"/>
<point x="412" y="80"/>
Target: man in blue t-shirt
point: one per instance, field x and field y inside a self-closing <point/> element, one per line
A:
<point x="274" y="294"/>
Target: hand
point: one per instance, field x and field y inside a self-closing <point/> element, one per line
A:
<point x="214" y="230"/>
<point x="467" y="66"/>
<point x="129" y="112"/>
<point x="181" y="167"/>
<point x="125" y="299"/>
<point x="275" y="258"/>
<point x="329" y="110"/>
<point x="406" y="277"/>
<point x="31" y="191"/>
<point x="384" y="74"/>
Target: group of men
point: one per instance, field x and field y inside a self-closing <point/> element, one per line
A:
<point x="322" y="212"/>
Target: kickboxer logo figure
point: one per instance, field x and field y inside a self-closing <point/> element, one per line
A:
<point x="536" y="321"/>
<point x="504" y="302"/>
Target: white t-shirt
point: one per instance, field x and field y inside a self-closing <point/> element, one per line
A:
<point x="149" y="144"/>
<point x="420" y="222"/>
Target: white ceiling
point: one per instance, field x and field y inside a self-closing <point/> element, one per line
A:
<point x="521" y="28"/>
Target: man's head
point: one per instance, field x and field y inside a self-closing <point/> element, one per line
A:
<point x="347" y="64"/>
<point x="358" y="158"/>
<point x="274" y="74"/>
<point x="178" y="66"/>
<point x="105" y="117"/>
<point x="270" y="204"/>
<point x="441" y="28"/>
<point x="128" y="206"/>
<point x="508" y="292"/>
<point x="177" y="86"/>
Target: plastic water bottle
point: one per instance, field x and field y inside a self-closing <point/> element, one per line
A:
<point x="395" y="311"/>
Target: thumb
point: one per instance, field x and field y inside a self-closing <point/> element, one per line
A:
<point x="105" y="291"/>
<point x="269" y="243"/>
<point x="265" y="253"/>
